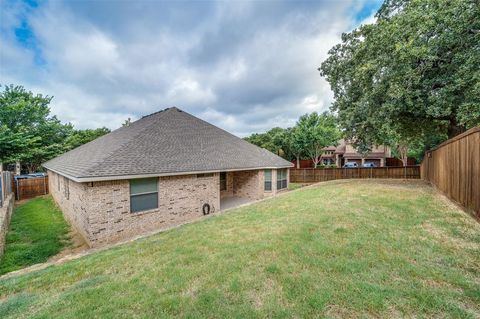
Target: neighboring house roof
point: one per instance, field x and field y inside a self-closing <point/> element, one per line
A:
<point x="168" y="142"/>
<point x="327" y="156"/>
<point x="340" y="149"/>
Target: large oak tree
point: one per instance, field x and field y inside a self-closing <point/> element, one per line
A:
<point x="412" y="74"/>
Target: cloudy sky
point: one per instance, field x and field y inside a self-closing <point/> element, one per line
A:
<point x="244" y="66"/>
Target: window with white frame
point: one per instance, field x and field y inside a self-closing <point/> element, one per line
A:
<point x="268" y="180"/>
<point x="143" y="194"/>
<point x="281" y="178"/>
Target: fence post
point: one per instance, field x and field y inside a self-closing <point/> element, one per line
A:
<point x="44" y="186"/>
<point x="16" y="186"/>
<point x="1" y="189"/>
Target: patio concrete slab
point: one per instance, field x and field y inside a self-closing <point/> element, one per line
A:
<point x="231" y="202"/>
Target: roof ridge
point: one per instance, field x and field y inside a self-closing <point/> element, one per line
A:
<point x="172" y="108"/>
<point x="131" y="137"/>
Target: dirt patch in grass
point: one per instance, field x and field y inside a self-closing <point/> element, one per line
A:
<point x="442" y="236"/>
<point x="74" y="245"/>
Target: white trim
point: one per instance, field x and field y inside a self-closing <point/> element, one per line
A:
<point x="122" y="177"/>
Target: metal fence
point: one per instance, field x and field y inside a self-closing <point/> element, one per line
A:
<point x="5" y="186"/>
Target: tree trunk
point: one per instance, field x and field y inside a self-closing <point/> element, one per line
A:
<point x="298" y="161"/>
<point x="454" y="128"/>
<point x="403" y="150"/>
<point x="17" y="168"/>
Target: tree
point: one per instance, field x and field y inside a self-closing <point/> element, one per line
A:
<point x="12" y="144"/>
<point x="275" y="140"/>
<point x="80" y="137"/>
<point x="315" y="132"/>
<point x="29" y="134"/>
<point x="262" y="140"/>
<point x="411" y="74"/>
<point x="127" y="122"/>
<point x="294" y="147"/>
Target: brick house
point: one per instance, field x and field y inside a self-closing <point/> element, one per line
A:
<point x="346" y="152"/>
<point x="162" y="170"/>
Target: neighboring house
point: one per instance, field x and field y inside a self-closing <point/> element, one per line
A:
<point x="162" y="170"/>
<point x="346" y="152"/>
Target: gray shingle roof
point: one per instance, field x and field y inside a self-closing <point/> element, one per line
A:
<point x="166" y="142"/>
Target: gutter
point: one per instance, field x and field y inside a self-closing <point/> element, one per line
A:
<point x="135" y="176"/>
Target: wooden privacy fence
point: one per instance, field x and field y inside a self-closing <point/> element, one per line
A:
<point x="30" y="187"/>
<point x="454" y="168"/>
<point x="311" y="175"/>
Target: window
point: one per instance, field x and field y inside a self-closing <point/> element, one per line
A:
<point x="268" y="179"/>
<point x="281" y="179"/>
<point x="223" y="181"/>
<point x="143" y="194"/>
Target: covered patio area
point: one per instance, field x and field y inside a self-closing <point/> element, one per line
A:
<point x="233" y="201"/>
<point x="240" y="187"/>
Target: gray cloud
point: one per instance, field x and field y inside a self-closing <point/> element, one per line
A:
<point x="244" y="66"/>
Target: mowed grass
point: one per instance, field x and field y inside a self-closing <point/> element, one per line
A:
<point x="37" y="231"/>
<point x="294" y="186"/>
<point x="342" y="249"/>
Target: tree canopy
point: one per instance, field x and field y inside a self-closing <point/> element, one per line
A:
<point x="307" y="138"/>
<point x="315" y="132"/>
<point x="275" y="140"/>
<point x="29" y="134"/>
<point x="411" y="75"/>
<point x="80" y="137"/>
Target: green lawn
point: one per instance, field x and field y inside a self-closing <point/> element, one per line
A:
<point x="37" y="231"/>
<point x="293" y="186"/>
<point x="342" y="249"/>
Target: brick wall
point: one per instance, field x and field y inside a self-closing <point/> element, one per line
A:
<point x="73" y="199"/>
<point x="101" y="210"/>
<point x="251" y="184"/>
<point x="248" y="184"/>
